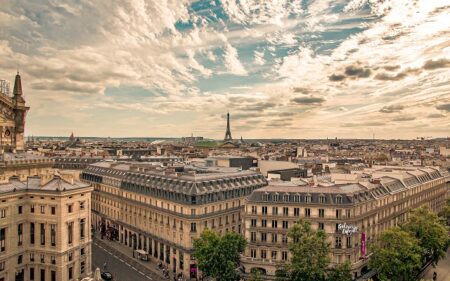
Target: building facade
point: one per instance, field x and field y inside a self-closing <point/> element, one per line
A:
<point x="162" y="211"/>
<point x="12" y="121"/>
<point x="45" y="230"/>
<point x="351" y="215"/>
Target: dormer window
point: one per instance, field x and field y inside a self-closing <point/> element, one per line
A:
<point x="296" y="198"/>
<point x="275" y="197"/>
<point x="322" y="199"/>
<point x="308" y="198"/>
<point x="266" y="197"/>
<point x="338" y="199"/>
<point x="286" y="198"/>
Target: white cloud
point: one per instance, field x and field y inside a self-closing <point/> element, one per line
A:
<point x="232" y="62"/>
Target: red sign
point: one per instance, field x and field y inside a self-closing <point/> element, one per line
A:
<point x="363" y="244"/>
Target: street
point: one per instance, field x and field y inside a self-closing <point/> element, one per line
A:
<point x="442" y="270"/>
<point x="119" y="268"/>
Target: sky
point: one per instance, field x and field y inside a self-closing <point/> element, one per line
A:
<point x="282" y="68"/>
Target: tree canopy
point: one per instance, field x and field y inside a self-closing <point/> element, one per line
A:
<point x="396" y="255"/>
<point x="218" y="256"/>
<point x="310" y="253"/>
<point x="430" y="230"/>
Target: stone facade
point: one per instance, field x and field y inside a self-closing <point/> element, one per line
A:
<point x="12" y="118"/>
<point x="161" y="212"/>
<point x="45" y="230"/>
<point x="352" y="215"/>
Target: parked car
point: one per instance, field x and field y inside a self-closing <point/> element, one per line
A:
<point x="107" y="276"/>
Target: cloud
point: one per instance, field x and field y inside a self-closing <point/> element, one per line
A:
<point x="404" y="118"/>
<point x="436" y="115"/>
<point x="435" y="64"/>
<point x="395" y="77"/>
<point x="363" y="124"/>
<point x="232" y="63"/>
<point x="260" y="106"/>
<point x="392" y="108"/>
<point x="259" y="58"/>
<point x="357" y="71"/>
<point x="444" y="107"/>
<point x="308" y="100"/>
<point x="336" y="77"/>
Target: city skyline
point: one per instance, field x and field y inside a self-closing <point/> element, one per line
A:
<point x="346" y="69"/>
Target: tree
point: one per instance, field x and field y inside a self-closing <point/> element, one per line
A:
<point x="218" y="256"/>
<point x="255" y="276"/>
<point x="341" y="272"/>
<point x="396" y="255"/>
<point x="445" y="213"/>
<point x="310" y="253"/>
<point x="430" y="230"/>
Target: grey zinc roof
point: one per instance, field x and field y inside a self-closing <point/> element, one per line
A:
<point x="55" y="184"/>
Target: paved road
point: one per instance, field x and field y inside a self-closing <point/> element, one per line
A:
<point x="121" y="269"/>
<point x="442" y="270"/>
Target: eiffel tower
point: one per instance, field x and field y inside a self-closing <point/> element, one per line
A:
<point x="228" y="137"/>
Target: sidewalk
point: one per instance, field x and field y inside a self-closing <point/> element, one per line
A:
<point x="442" y="270"/>
<point x="126" y="253"/>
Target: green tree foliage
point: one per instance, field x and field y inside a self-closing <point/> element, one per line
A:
<point x="310" y="253"/>
<point x="445" y="213"/>
<point x="218" y="256"/>
<point x="430" y="230"/>
<point x="396" y="255"/>
<point x="255" y="276"/>
<point x="341" y="272"/>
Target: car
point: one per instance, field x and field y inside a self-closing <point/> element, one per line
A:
<point x="107" y="276"/>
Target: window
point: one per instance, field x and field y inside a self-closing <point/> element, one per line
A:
<point x="263" y="254"/>
<point x="193" y="227"/>
<point x="275" y="211"/>
<point x="31" y="257"/>
<point x="19" y="209"/>
<point x="347" y="213"/>
<point x="53" y="234"/>
<point x="70" y="273"/>
<point x="274" y="238"/>
<point x="20" y="234"/>
<point x="42" y="234"/>
<point x="19" y="259"/>
<point x="321" y="226"/>
<point x="263" y="223"/>
<point x="338" y="213"/>
<point x="70" y="256"/>
<point x="53" y="209"/>
<point x="82" y="228"/>
<point x="285" y="211"/>
<point x="2" y="239"/>
<point x="82" y="266"/>
<point x="31" y="273"/>
<point x="284" y="239"/>
<point x="253" y="222"/>
<point x="70" y="208"/>
<point x="253" y="253"/>
<point x="2" y="266"/>
<point x="308" y="198"/>
<point x="338" y="199"/>
<point x="82" y="251"/>
<point x="321" y="199"/>
<point x="274" y="255"/>
<point x="285" y="224"/>
<point x="263" y="236"/>
<point x="297" y="212"/>
<point x="31" y="232"/>
<point x="321" y="213"/>
<point x="42" y="274"/>
<point x="43" y="211"/>
<point x="253" y="236"/>
<point x="3" y="213"/>
<point x="349" y="242"/>
<point x="53" y="275"/>
<point x="284" y="255"/>
<point x="264" y="210"/>
<point x="338" y="242"/>
<point x="42" y="258"/>
<point x="32" y="211"/>
<point x="53" y="259"/>
<point x="254" y="210"/>
<point x="82" y="205"/>
<point x="307" y="212"/>
<point x="70" y="232"/>
<point x="274" y="223"/>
